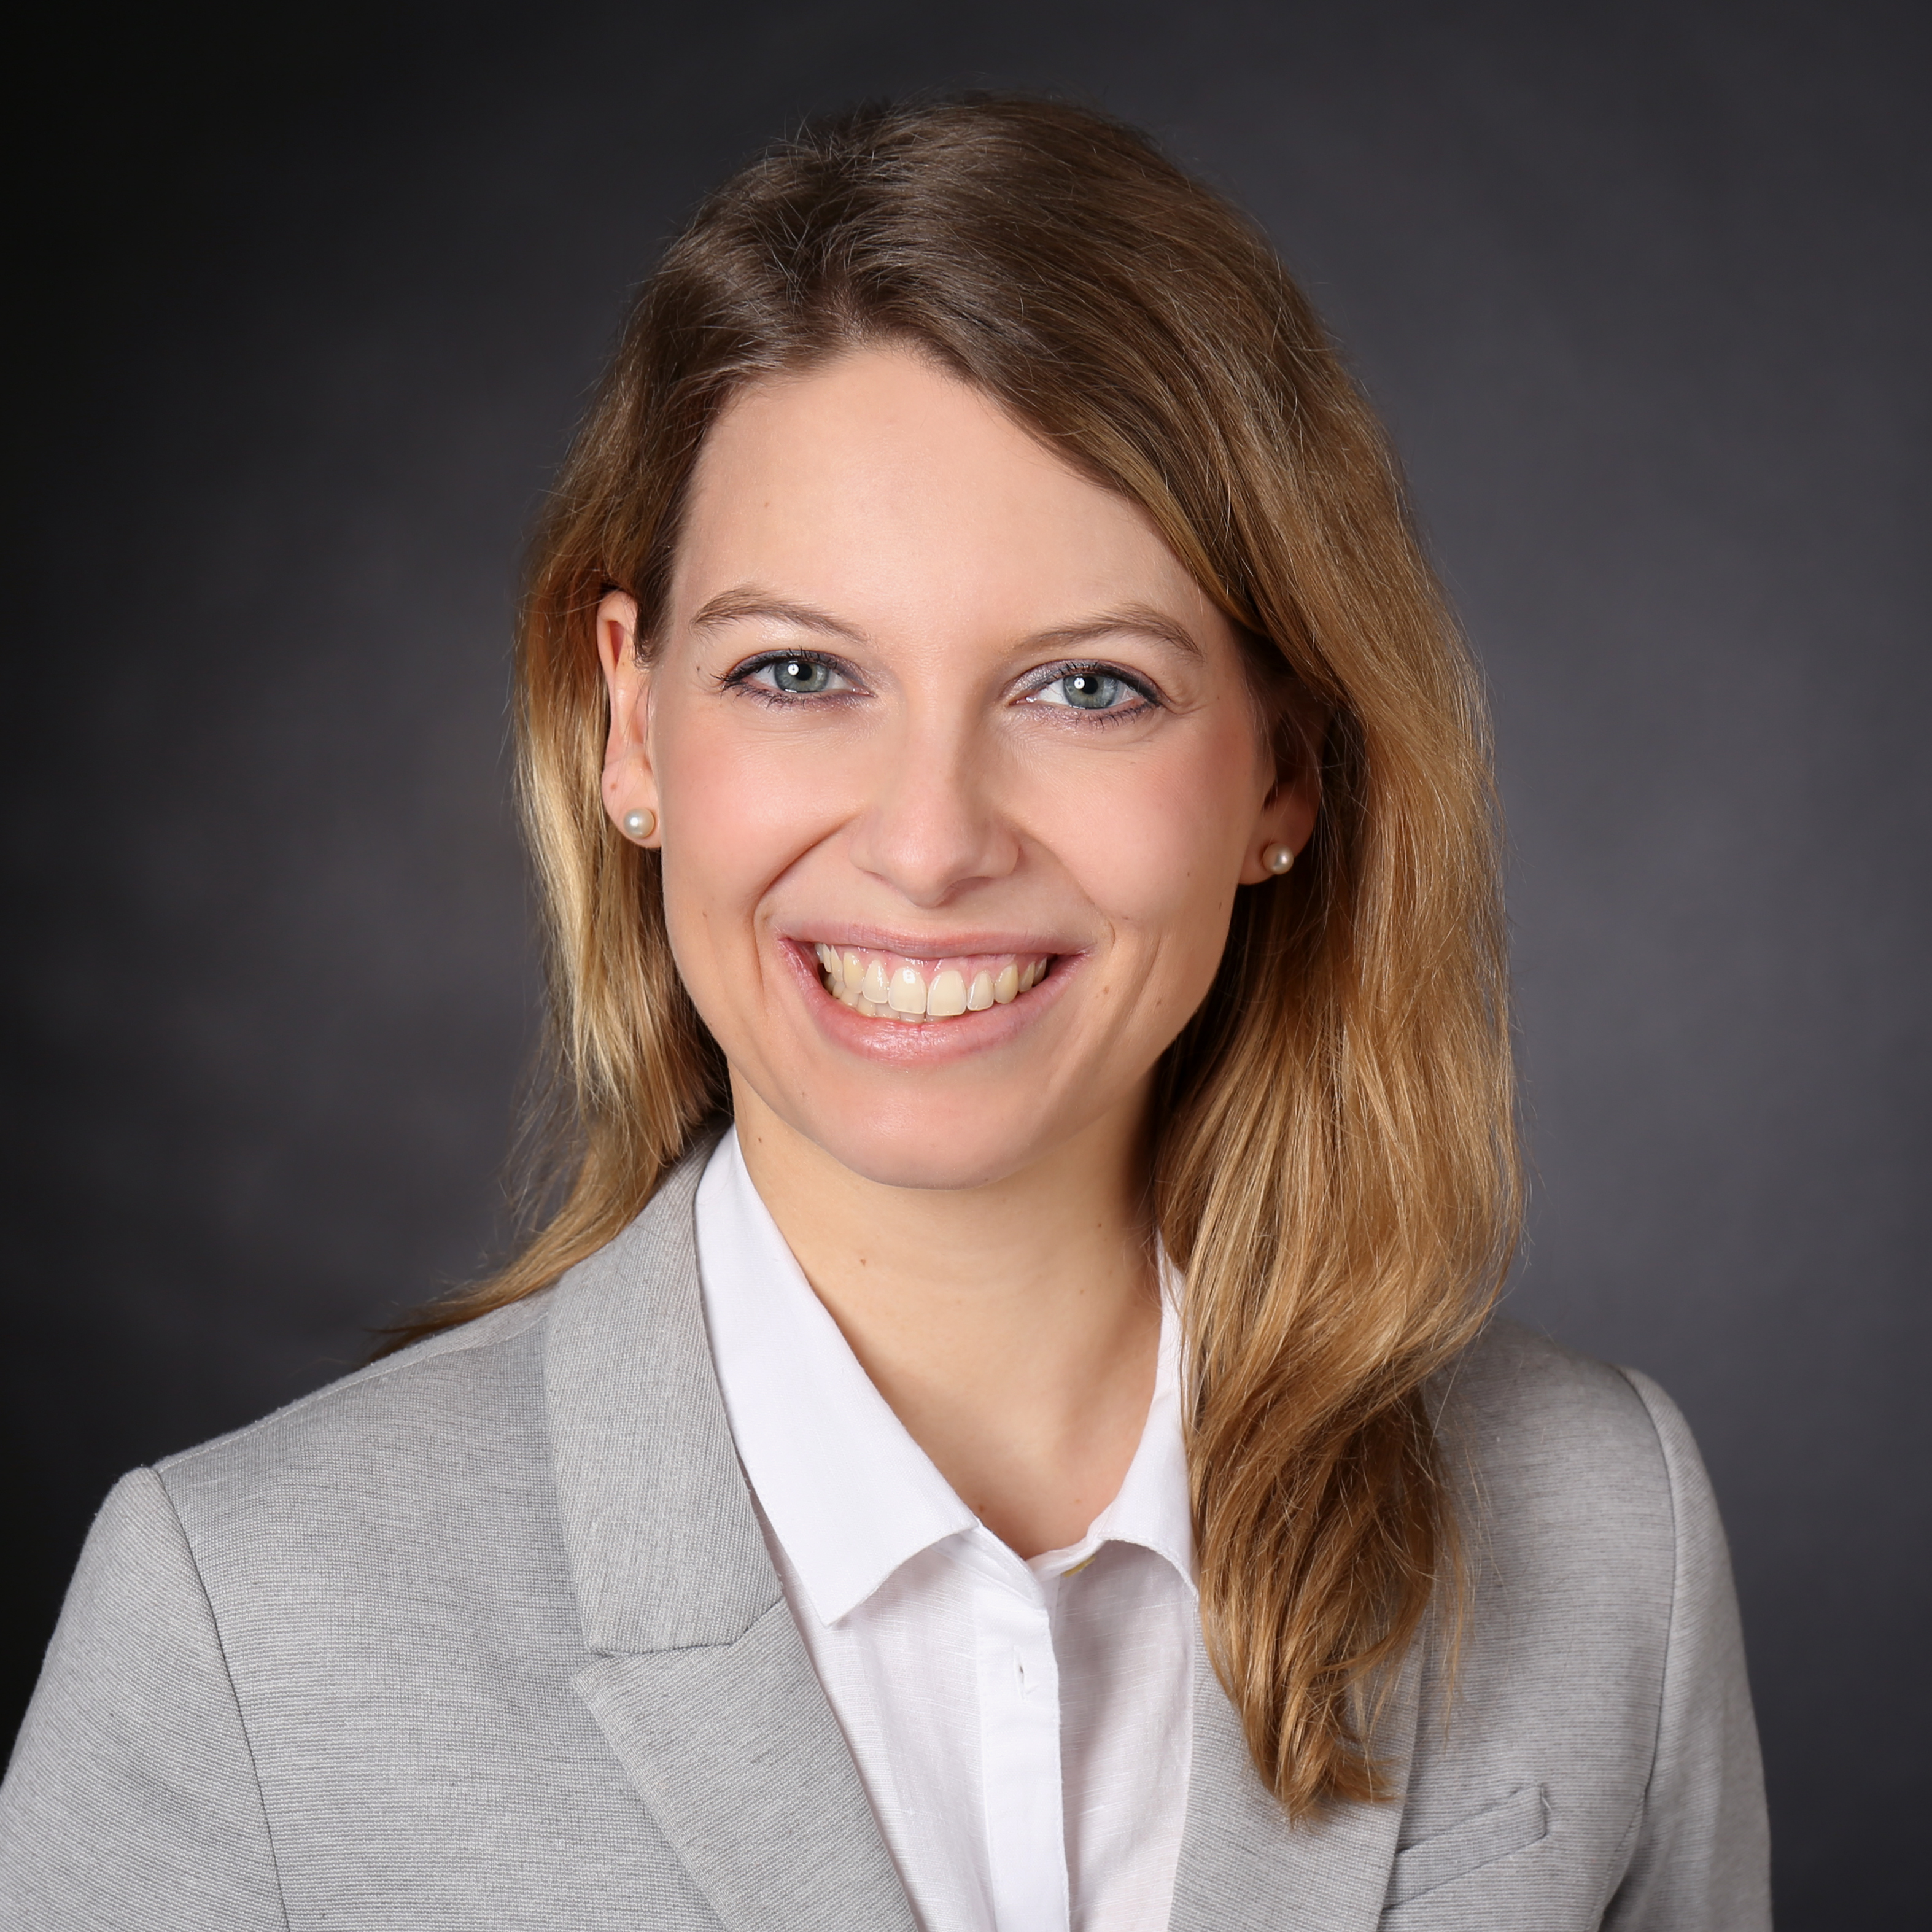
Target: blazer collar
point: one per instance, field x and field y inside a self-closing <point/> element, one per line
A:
<point x="664" y="1546"/>
<point x="699" y="1680"/>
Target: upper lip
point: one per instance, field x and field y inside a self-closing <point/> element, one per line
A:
<point x="927" y="945"/>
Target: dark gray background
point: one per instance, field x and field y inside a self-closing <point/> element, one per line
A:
<point x="1642" y="288"/>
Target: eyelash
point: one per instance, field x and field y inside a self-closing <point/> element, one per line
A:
<point x="1045" y="679"/>
<point x="740" y="677"/>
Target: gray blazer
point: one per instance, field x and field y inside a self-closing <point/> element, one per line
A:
<point x="486" y="1637"/>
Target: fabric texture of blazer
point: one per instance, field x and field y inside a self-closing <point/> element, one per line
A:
<point x="486" y="1636"/>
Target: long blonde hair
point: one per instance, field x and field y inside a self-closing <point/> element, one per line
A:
<point x="1334" y="1166"/>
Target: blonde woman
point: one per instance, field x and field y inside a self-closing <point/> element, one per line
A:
<point x="1005" y="1431"/>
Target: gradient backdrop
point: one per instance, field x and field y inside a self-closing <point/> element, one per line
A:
<point x="315" y="297"/>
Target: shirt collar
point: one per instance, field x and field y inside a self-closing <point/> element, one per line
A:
<point x="848" y="1491"/>
<point x="1152" y="1508"/>
<point x="850" y="1495"/>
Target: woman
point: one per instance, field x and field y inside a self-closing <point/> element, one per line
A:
<point x="990" y="737"/>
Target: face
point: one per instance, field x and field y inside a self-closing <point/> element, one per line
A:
<point x="955" y="771"/>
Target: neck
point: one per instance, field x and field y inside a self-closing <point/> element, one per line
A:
<point x="1013" y="1326"/>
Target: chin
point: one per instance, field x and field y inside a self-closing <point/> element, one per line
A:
<point x="936" y="1154"/>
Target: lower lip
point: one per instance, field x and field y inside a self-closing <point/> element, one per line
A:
<point x="932" y="1042"/>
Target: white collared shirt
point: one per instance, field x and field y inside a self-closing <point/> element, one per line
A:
<point x="1022" y="1729"/>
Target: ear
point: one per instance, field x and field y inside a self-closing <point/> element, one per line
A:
<point x="1288" y="814"/>
<point x="629" y="783"/>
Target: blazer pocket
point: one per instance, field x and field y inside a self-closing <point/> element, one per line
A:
<point x="1520" y="1820"/>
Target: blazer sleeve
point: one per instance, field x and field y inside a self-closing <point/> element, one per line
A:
<point x="1701" y="1862"/>
<point x="132" y="1801"/>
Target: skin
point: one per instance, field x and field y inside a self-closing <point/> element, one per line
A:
<point x="966" y="1197"/>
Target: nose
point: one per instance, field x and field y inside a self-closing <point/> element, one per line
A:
<point x="931" y="826"/>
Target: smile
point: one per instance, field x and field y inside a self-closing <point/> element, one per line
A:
<point x="888" y="986"/>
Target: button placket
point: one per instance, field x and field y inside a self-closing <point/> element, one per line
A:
<point x="1019" y="1737"/>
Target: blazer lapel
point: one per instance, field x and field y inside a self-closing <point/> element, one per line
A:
<point x="1244" y="1868"/>
<point x="733" y="1747"/>
<point x="700" y="1681"/>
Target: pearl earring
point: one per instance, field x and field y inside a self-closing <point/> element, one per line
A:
<point x="640" y="824"/>
<point x="1278" y="859"/>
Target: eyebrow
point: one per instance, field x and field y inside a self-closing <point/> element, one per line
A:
<point x="1141" y="617"/>
<point x="745" y="603"/>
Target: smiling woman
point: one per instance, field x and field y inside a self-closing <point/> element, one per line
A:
<point x="1005" y="1428"/>
<point x="861" y="728"/>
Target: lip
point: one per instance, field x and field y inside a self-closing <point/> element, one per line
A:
<point x="929" y="947"/>
<point x="887" y="1043"/>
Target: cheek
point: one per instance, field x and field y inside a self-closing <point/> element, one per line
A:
<point x="1159" y="843"/>
<point x="735" y="817"/>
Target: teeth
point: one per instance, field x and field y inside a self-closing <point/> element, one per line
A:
<point x="903" y="992"/>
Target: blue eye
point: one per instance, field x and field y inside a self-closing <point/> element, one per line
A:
<point x="1091" y="690"/>
<point x="782" y="674"/>
<point x="805" y="677"/>
<point x="1094" y="689"/>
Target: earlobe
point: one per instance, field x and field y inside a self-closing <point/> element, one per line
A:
<point x="1286" y="824"/>
<point x="1286" y="820"/>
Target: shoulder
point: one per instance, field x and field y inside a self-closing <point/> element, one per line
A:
<point x="1582" y="1500"/>
<point x="1521" y="1415"/>
<point x="433" y="1473"/>
<point x="398" y="1428"/>
<point x="1515" y="1400"/>
<point x="464" y="1410"/>
<point x="350" y="1547"/>
<point x="1578" y="1477"/>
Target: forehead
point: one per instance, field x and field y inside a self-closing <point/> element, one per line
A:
<point x="879" y="484"/>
